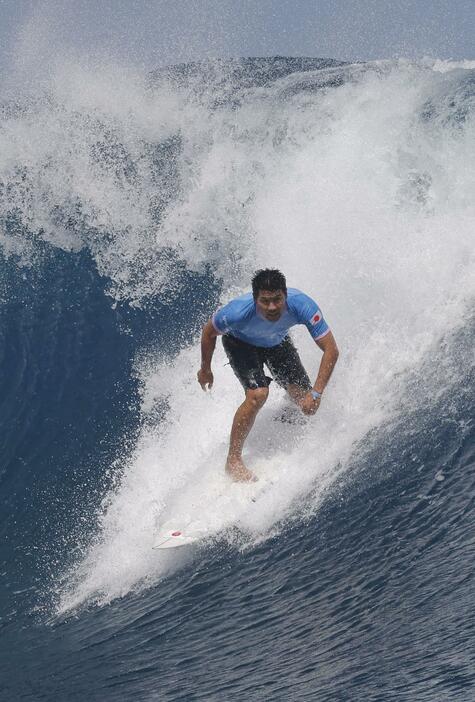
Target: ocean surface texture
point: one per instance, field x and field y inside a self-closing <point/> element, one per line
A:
<point x="131" y="206"/>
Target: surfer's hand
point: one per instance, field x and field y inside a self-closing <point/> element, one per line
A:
<point x="309" y="404"/>
<point x="205" y="378"/>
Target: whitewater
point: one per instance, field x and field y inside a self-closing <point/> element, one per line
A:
<point x="356" y="180"/>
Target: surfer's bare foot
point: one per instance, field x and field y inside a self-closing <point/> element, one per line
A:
<point x="236" y="470"/>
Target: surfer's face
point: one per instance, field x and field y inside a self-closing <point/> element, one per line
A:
<point x="271" y="304"/>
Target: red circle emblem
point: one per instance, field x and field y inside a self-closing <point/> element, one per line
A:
<point x="176" y="533"/>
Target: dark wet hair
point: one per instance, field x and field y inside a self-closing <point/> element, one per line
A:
<point x="268" y="279"/>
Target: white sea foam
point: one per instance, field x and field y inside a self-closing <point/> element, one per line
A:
<point x="362" y="194"/>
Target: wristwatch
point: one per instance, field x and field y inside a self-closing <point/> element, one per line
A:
<point x="315" y="394"/>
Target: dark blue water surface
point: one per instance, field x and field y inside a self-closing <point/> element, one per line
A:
<point x="371" y="598"/>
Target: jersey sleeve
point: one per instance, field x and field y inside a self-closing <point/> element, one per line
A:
<point x="310" y="314"/>
<point x="221" y="319"/>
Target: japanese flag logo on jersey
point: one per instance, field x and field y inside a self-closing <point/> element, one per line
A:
<point x="316" y="318"/>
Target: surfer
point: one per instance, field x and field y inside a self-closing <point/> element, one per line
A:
<point x="254" y="329"/>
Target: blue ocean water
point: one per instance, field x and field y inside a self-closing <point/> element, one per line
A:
<point x="129" y="210"/>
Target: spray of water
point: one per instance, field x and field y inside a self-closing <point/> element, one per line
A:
<point x="357" y="182"/>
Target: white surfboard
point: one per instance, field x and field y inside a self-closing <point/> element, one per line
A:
<point x="171" y="535"/>
<point x="184" y="530"/>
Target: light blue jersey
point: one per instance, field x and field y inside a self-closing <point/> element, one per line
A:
<point x="241" y="319"/>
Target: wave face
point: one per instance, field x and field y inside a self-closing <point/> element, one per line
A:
<point x="130" y="207"/>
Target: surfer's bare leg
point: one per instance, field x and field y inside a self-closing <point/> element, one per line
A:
<point x="242" y="425"/>
<point x="296" y="394"/>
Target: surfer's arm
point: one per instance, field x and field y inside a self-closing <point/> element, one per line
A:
<point x="208" y="345"/>
<point x="328" y="345"/>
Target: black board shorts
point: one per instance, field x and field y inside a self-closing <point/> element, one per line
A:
<point x="283" y="361"/>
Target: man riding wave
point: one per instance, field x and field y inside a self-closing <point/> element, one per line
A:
<point x="254" y="329"/>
